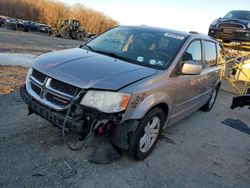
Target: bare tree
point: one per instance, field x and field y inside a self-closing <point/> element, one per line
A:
<point x="51" y="12"/>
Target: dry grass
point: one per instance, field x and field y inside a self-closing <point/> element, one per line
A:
<point x="11" y="78"/>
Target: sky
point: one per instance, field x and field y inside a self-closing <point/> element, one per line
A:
<point x="188" y="15"/>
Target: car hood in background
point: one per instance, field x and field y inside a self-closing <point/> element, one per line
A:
<point x="237" y="21"/>
<point x="86" y="69"/>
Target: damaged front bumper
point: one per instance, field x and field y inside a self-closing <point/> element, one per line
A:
<point x="81" y="118"/>
<point x="54" y="117"/>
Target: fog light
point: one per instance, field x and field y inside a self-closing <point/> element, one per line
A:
<point x="247" y="35"/>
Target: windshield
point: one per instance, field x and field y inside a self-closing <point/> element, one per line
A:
<point x="147" y="47"/>
<point x="244" y="15"/>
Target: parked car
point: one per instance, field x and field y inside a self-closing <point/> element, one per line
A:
<point x="30" y="26"/>
<point x="43" y="28"/>
<point x="2" y="20"/>
<point x="235" y="26"/>
<point x="129" y="82"/>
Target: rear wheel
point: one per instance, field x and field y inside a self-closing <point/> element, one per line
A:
<point x="209" y="105"/>
<point x="147" y="134"/>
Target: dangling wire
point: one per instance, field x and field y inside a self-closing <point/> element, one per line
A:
<point x="65" y="122"/>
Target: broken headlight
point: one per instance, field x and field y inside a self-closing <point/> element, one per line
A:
<point x="106" y="101"/>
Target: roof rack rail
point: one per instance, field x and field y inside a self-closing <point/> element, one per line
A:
<point x="193" y="32"/>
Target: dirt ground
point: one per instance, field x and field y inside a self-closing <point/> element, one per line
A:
<point x="199" y="151"/>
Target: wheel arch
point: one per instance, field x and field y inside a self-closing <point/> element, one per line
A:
<point x="163" y="106"/>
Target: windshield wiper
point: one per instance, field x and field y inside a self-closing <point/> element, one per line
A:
<point x="110" y="54"/>
<point x="89" y="47"/>
<point x="114" y="55"/>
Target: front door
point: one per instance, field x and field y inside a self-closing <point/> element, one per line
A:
<point x="188" y="86"/>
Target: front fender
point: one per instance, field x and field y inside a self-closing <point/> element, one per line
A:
<point x="139" y="110"/>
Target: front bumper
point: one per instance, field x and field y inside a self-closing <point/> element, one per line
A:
<point x="118" y="133"/>
<point x="54" y="117"/>
<point x="241" y="35"/>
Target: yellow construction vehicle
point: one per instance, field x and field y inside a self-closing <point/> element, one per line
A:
<point x="69" y="28"/>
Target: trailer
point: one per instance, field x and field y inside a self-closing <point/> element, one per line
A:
<point x="236" y="71"/>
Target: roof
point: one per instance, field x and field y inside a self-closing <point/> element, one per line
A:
<point x="157" y="29"/>
<point x="182" y="33"/>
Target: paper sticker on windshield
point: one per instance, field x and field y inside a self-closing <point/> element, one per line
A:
<point x="140" y="58"/>
<point x="171" y="35"/>
<point x="152" y="62"/>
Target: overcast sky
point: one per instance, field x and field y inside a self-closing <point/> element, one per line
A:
<point x="188" y="15"/>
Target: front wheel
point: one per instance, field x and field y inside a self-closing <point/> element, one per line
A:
<point x="147" y="134"/>
<point x="80" y="36"/>
<point x="209" y="105"/>
<point x="65" y="34"/>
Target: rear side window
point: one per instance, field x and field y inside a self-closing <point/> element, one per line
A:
<point x="193" y="52"/>
<point x="210" y="54"/>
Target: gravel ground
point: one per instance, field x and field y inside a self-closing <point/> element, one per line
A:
<point x="199" y="151"/>
<point x="33" y="43"/>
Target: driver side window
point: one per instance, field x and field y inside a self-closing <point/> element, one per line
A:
<point x="193" y="52"/>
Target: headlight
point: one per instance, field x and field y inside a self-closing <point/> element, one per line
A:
<point x="248" y="25"/>
<point x="28" y="75"/>
<point x="214" y="22"/>
<point x="106" y="101"/>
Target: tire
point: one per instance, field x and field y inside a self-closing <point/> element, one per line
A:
<point x="210" y="103"/>
<point x="64" y="34"/>
<point x="140" y="143"/>
<point x="80" y="36"/>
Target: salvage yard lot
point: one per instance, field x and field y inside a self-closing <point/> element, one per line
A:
<point x="199" y="151"/>
<point x="33" y="43"/>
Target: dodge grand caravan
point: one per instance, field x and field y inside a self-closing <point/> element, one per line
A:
<point x="128" y="83"/>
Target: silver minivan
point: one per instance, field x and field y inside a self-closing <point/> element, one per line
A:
<point x="128" y="83"/>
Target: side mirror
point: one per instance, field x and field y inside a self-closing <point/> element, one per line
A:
<point x="191" y="68"/>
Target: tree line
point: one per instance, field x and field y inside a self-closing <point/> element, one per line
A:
<point x="51" y="12"/>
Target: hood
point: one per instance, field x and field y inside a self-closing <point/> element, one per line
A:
<point x="86" y="69"/>
<point x="231" y="20"/>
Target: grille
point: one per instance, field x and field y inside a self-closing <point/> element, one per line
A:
<point x="231" y="25"/>
<point x="50" y="92"/>
<point x="38" y="75"/>
<point x="36" y="89"/>
<point x="63" y="87"/>
<point x="57" y="100"/>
